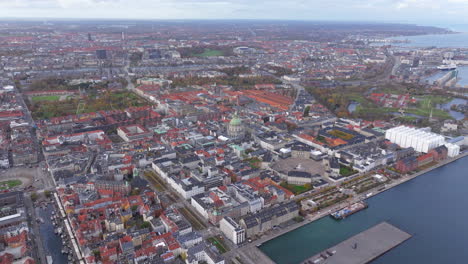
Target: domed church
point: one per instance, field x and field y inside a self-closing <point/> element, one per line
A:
<point x="235" y="129"/>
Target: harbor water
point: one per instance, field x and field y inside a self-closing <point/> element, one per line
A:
<point x="455" y="114"/>
<point x="459" y="40"/>
<point x="430" y="207"/>
<point x="462" y="79"/>
<point x="462" y="76"/>
<point x="52" y="242"/>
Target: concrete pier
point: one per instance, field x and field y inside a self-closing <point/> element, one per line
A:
<point x="250" y="254"/>
<point x="363" y="247"/>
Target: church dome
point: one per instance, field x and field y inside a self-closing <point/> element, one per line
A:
<point x="235" y="128"/>
<point x="235" y="121"/>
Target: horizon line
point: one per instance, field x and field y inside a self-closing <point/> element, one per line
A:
<point x="212" y="19"/>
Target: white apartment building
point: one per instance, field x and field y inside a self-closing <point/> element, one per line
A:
<point x="232" y="230"/>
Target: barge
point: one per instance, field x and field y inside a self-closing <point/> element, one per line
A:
<point x="349" y="210"/>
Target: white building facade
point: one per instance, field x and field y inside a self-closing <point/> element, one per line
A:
<point x="421" y="140"/>
<point x="232" y="230"/>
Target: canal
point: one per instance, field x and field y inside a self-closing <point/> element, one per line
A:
<point x="52" y="242"/>
<point x="430" y="207"/>
<point x="456" y="101"/>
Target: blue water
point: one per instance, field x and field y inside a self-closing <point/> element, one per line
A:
<point x="431" y="207"/>
<point x="352" y="106"/>
<point x="459" y="40"/>
<point x="462" y="76"/>
<point x="52" y="242"/>
<point x="431" y="79"/>
<point x="455" y="114"/>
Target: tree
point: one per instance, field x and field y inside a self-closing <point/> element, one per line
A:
<point x="97" y="253"/>
<point x="47" y="194"/>
<point x="321" y="139"/>
<point x="306" y="111"/>
<point x="183" y="255"/>
<point x="145" y="225"/>
<point x="136" y="57"/>
<point x="34" y="196"/>
<point x="298" y="218"/>
<point x="135" y="191"/>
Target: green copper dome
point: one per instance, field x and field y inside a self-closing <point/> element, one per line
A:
<point x="235" y="121"/>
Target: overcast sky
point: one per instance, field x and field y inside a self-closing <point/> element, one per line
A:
<point x="414" y="11"/>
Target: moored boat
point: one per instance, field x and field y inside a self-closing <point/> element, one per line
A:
<point x="349" y="210"/>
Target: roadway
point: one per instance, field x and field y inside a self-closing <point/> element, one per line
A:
<point x="35" y="176"/>
<point x="180" y="202"/>
<point x="298" y="88"/>
<point x="130" y="85"/>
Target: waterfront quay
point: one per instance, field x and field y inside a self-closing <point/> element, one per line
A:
<point x="363" y="247"/>
<point x="252" y="253"/>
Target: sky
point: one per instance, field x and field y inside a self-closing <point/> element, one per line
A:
<point x="427" y="12"/>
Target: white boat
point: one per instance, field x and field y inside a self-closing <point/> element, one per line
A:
<point x="447" y="67"/>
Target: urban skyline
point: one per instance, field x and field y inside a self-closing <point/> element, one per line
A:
<point x="144" y="135"/>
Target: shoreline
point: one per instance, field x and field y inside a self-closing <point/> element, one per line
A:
<point x="255" y="246"/>
<point x="417" y="174"/>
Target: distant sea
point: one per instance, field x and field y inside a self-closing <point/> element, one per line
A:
<point x="456" y="40"/>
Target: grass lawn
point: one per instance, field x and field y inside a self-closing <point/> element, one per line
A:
<point x="431" y="100"/>
<point x="9" y="184"/>
<point x="219" y="244"/>
<point x="254" y="162"/>
<point x="296" y="189"/>
<point x="209" y="53"/>
<point x="421" y="111"/>
<point x="108" y="101"/>
<point x="357" y="97"/>
<point x="340" y="134"/>
<point x="427" y="111"/>
<point x="45" y="98"/>
<point x="346" y="171"/>
<point x="407" y="118"/>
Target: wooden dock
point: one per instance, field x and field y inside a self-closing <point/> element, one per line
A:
<point x="363" y="247"/>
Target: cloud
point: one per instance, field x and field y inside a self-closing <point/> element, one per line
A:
<point x="375" y="10"/>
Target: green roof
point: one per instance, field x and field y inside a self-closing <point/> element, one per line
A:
<point x="235" y="121"/>
<point x="236" y="147"/>
<point x="160" y="131"/>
